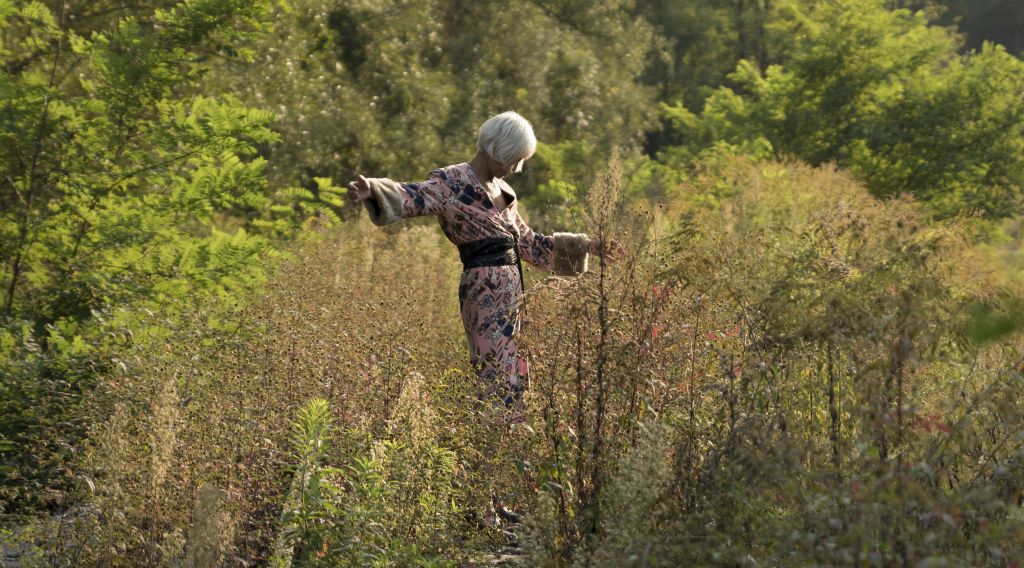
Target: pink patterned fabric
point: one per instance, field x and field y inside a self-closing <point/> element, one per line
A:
<point x="491" y="296"/>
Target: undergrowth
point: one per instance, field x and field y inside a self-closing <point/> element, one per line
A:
<point x="795" y="375"/>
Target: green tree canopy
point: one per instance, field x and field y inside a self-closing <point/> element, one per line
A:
<point x="883" y="93"/>
<point x="378" y="88"/>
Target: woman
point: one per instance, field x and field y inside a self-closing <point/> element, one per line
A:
<point x="479" y="212"/>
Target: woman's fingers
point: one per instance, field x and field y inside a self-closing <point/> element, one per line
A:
<point x="612" y="253"/>
<point x="614" y="250"/>
<point x="618" y="249"/>
<point x="610" y="249"/>
<point x="359" y="189"/>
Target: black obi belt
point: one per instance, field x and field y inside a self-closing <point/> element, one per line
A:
<point x="492" y="251"/>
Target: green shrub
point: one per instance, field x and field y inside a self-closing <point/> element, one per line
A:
<point x="812" y="354"/>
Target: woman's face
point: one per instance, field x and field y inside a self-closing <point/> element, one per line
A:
<point x="500" y="169"/>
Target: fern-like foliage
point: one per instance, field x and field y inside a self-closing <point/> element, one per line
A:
<point x="310" y="519"/>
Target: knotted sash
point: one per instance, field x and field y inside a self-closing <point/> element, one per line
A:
<point x="493" y="251"/>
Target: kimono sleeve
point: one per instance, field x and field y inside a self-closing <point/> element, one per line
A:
<point x="391" y="201"/>
<point x="564" y="254"/>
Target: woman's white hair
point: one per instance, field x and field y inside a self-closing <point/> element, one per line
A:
<point x="508" y="138"/>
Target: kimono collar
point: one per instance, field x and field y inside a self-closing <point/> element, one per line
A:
<point x="502" y="185"/>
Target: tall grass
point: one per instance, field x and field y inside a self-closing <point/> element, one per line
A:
<point x="792" y="376"/>
<point x="346" y="319"/>
<point x="803" y="357"/>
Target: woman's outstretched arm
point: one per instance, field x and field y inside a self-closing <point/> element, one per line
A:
<point x="388" y="201"/>
<point x="564" y="254"/>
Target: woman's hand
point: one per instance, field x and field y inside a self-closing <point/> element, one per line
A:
<point x="358" y="190"/>
<point x="610" y="250"/>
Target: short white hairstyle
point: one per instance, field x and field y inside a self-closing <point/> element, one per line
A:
<point x="508" y="138"/>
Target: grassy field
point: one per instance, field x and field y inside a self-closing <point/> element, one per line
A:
<point x="795" y="377"/>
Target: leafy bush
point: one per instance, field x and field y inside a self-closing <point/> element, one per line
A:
<point x="125" y="195"/>
<point x="390" y="507"/>
<point x="808" y="355"/>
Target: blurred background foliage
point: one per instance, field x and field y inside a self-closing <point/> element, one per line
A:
<point x="162" y="159"/>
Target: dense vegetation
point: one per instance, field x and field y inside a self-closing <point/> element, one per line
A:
<point x="812" y="354"/>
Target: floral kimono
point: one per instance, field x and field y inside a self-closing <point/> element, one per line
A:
<point x="489" y="296"/>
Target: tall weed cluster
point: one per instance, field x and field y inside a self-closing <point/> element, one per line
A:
<point x="791" y="376"/>
<point x="348" y="319"/>
<point x="793" y="373"/>
<point x="392" y="504"/>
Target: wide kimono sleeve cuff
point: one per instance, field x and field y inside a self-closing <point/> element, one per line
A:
<point x="569" y="257"/>
<point x="385" y="202"/>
